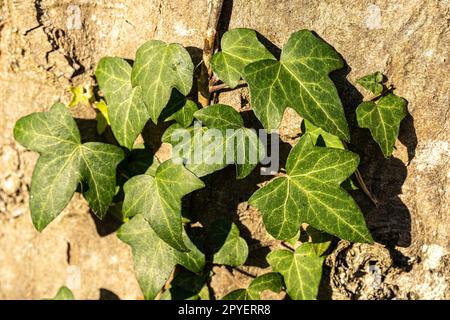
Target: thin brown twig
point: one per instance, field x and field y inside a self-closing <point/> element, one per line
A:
<point x="364" y="187"/>
<point x="363" y="184"/>
<point x="214" y="10"/>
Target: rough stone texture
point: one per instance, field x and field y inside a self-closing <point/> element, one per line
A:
<point x="41" y="54"/>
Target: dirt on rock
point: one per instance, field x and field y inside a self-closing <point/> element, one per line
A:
<point x="48" y="45"/>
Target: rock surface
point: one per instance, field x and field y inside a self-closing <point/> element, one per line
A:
<point x="47" y="45"/>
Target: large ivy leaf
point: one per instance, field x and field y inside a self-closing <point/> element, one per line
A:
<point x="63" y="163"/>
<point x="158" y="199"/>
<point x="383" y="119"/>
<point x="126" y="110"/>
<point x="158" y="68"/>
<point x="299" y="80"/>
<point x="240" y="47"/>
<point x="310" y="192"/>
<point x="208" y="151"/>
<point x="301" y="270"/>
<point x="269" y="281"/>
<point x="225" y="243"/>
<point x="64" y="293"/>
<point x="372" y="82"/>
<point x="154" y="260"/>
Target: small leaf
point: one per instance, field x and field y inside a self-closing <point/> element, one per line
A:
<point x="80" y="95"/>
<point x="103" y="108"/>
<point x="301" y="270"/>
<point x="180" y="109"/>
<point x="227" y="246"/>
<point x="240" y="47"/>
<point x="154" y="260"/>
<point x="158" y="68"/>
<point x="102" y="116"/>
<point x="310" y="192"/>
<point x="63" y="163"/>
<point x="269" y="281"/>
<point x="383" y="119"/>
<point x="126" y="110"/>
<point x="299" y="80"/>
<point x="64" y="293"/>
<point x="158" y="198"/>
<point x="372" y="82"/>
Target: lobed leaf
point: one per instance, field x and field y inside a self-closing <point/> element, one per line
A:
<point x="383" y="119"/>
<point x="126" y="110"/>
<point x="301" y="270"/>
<point x="63" y="163"/>
<point x="158" y="199"/>
<point x="372" y="82"/>
<point x="300" y="81"/>
<point x="159" y="68"/>
<point x="154" y="259"/>
<point x="227" y="246"/>
<point x="240" y="47"/>
<point x="310" y="192"/>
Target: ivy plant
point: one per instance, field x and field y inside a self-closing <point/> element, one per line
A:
<point x="303" y="207"/>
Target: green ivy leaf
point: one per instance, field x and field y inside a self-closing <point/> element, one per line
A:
<point x="299" y="80"/>
<point x="227" y="246"/>
<point x="63" y="163"/>
<point x="126" y="110"/>
<point x="158" y="68"/>
<point x="80" y="95"/>
<point x="158" y="199"/>
<point x="310" y="192"/>
<point x="269" y="281"/>
<point x="154" y="260"/>
<point x="383" y="119"/>
<point x="240" y="47"/>
<point x="247" y="150"/>
<point x="64" y="293"/>
<point x="180" y="109"/>
<point x="372" y="82"/>
<point x="301" y="270"/>
<point x="102" y="116"/>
